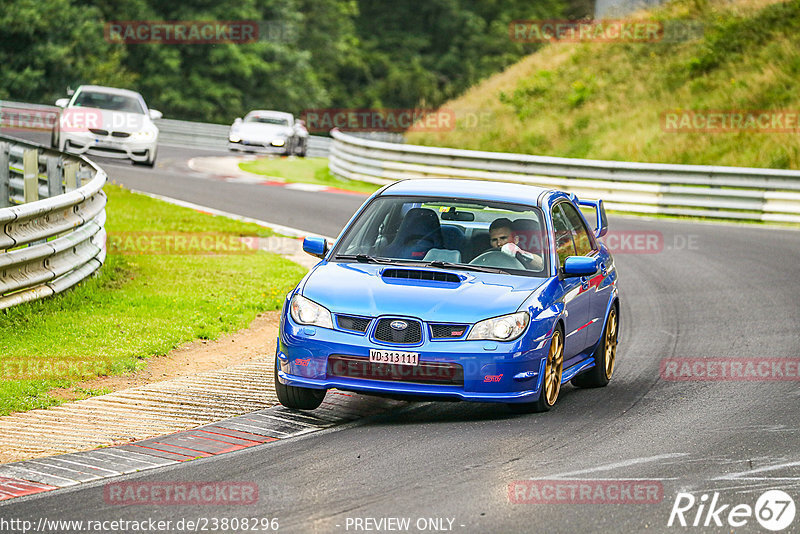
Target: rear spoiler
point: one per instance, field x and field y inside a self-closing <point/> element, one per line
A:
<point x="601" y="224"/>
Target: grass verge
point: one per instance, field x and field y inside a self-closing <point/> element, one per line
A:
<point x="305" y="170"/>
<point x="139" y="305"/>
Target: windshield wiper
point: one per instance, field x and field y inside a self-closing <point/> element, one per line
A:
<point x="466" y="267"/>
<point x="363" y="258"/>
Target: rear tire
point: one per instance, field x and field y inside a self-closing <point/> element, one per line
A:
<point x="551" y="382"/>
<point x="605" y="357"/>
<point x="297" y="398"/>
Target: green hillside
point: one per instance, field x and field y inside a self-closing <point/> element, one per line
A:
<point x="608" y="100"/>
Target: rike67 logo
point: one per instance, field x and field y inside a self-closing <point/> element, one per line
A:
<point x="774" y="510"/>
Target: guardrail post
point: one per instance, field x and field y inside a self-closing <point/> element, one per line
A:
<point x="30" y="175"/>
<point x="71" y="176"/>
<point x="83" y="174"/>
<point x="54" y="184"/>
<point x="5" y="191"/>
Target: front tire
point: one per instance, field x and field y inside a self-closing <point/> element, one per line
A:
<point x="551" y="382"/>
<point x="297" y="398"/>
<point x="150" y="161"/>
<point x="605" y="357"/>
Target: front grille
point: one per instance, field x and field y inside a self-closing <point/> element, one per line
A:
<point x="445" y="331"/>
<point x="416" y="274"/>
<point x="120" y="134"/>
<point x="411" y="334"/>
<point x="450" y="374"/>
<point x="106" y="149"/>
<point x="98" y="131"/>
<point x="353" y="323"/>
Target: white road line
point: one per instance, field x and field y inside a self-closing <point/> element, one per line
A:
<point x="617" y="465"/>
<point x="286" y="230"/>
<point x="743" y="475"/>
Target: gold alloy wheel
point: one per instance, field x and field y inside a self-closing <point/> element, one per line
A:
<point x="553" y="369"/>
<point x="611" y="343"/>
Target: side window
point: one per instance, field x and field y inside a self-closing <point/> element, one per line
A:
<point x="565" y="247"/>
<point x="583" y="242"/>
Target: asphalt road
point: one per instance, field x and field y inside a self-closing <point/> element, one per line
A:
<point x="707" y="291"/>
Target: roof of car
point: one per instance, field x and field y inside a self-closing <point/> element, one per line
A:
<point x="111" y="90"/>
<point x="270" y="112"/>
<point x="478" y="189"/>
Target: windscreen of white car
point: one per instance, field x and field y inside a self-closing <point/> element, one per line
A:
<point x="109" y="101"/>
<point x="448" y="232"/>
<point x="277" y="121"/>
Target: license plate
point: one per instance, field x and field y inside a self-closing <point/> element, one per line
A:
<point x="107" y="144"/>
<point x="394" y="356"/>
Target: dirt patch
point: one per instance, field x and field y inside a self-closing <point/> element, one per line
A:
<point x="255" y="341"/>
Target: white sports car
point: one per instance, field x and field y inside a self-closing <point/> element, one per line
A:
<point x="274" y="132"/>
<point x="109" y="122"/>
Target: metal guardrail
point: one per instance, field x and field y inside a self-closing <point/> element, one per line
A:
<point x="769" y="195"/>
<point x="52" y="216"/>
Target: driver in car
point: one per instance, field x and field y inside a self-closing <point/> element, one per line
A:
<point x="503" y="238"/>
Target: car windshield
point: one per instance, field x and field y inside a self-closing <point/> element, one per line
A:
<point x="448" y="232"/>
<point x="111" y="101"/>
<point x="263" y="119"/>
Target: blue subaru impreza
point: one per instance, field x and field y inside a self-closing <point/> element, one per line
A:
<point x="454" y="290"/>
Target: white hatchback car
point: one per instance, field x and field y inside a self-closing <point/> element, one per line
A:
<point x="109" y="122"/>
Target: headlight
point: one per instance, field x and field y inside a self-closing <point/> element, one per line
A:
<point x="278" y="142"/>
<point x="144" y="135"/>
<point x="503" y="328"/>
<point x="234" y="138"/>
<point x="308" y="312"/>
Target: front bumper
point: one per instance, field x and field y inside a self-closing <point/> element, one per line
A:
<point x="492" y="371"/>
<point x="264" y="148"/>
<point x="119" y="149"/>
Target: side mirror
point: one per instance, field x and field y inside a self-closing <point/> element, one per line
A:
<point x="316" y="246"/>
<point x="155" y="114"/>
<point x="237" y="121"/>
<point x="580" y="266"/>
<point x="62" y="102"/>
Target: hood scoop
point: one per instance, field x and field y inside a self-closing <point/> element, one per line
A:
<point x="418" y="274"/>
